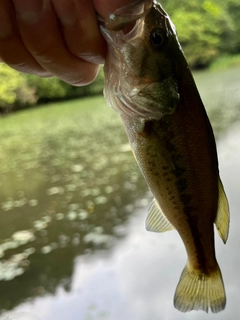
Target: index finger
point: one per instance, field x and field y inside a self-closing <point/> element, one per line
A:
<point x="42" y="37"/>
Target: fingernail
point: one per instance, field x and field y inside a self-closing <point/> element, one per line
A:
<point x="28" y="10"/>
<point x="90" y="57"/>
<point x="66" y="11"/>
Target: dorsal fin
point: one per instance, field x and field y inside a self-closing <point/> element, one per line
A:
<point x="156" y="220"/>
<point x="222" y="219"/>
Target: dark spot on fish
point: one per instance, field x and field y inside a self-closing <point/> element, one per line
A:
<point x="146" y="130"/>
<point x="170" y="147"/>
<point x="196" y="236"/>
<point x="185" y="198"/>
<point x="172" y="198"/>
<point x="151" y="163"/>
<point x="177" y="157"/>
<point x="171" y="135"/>
<point x="169" y="191"/>
<point x="188" y="210"/>
<point x="181" y="184"/>
<point x="179" y="171"/>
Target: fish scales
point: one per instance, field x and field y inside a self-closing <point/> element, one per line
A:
<point x="172" y="187"/>
<point x="148" y="82"/>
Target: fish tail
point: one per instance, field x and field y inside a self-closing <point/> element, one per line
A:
<point x="199" y="291"/>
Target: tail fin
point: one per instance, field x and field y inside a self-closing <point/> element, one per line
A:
<point x="198" y="291"/>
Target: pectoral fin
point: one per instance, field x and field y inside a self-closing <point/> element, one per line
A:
<point x="222" y="219"/>
<point x="156" y="220"/>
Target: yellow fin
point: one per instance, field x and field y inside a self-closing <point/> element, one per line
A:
<point x="198" y="291"/>
<point x="156" y="221"/>
<point x="222" y="219"/>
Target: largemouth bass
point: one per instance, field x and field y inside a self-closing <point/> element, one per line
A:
<point x="148" y="82"/>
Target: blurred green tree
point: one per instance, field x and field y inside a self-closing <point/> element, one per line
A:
<point x="46" y="88"/>
<point x="49" y="89"/>
<point x="14" y="89"/>
<point x="231" y="38"/>
<point x="206" y="28"/>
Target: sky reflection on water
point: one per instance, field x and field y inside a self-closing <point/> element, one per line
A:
<point x="136" y="280"/>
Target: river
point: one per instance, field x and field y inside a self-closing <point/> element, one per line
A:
<point x="73" y="205"/>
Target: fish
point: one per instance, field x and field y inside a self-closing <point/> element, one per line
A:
<point x="149" y="84"/>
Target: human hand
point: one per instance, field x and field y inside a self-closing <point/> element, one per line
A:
<point x="54" y="37"/>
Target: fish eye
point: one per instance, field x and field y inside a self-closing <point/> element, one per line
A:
<point x="156" y="38"/>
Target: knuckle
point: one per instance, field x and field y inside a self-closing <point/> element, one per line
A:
<point x="44" y="54"/>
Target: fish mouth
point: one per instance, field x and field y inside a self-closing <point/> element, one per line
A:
<point x="127" y="14"/>
<point x="117" y="39"/>
<point x="123" y="24"/>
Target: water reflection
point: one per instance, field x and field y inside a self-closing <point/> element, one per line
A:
<point x="73" y="204"/>
<point x="221" y="95"/>
<point x="137" y="279"/>
<point x="68" y="201"/>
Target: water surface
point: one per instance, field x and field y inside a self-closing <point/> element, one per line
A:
<point x="73" y="205"/>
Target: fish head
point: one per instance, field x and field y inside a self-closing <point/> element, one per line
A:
<point x="140" y="67"/>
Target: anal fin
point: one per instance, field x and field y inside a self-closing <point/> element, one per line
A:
<point x="156" y="220"/>
<point x="222" y="219"/>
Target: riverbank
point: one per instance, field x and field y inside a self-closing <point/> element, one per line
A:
<point x="224" y="62"/>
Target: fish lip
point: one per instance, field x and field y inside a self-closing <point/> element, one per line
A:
<point x="129" y="13"/>
<point x="106" y="34"/>
<point x="113" y="27"/>
<point x="118" y="38"/>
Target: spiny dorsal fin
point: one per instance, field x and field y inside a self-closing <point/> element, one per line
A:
<point x="222" y="219"/>
<point x="156" y="221"/>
